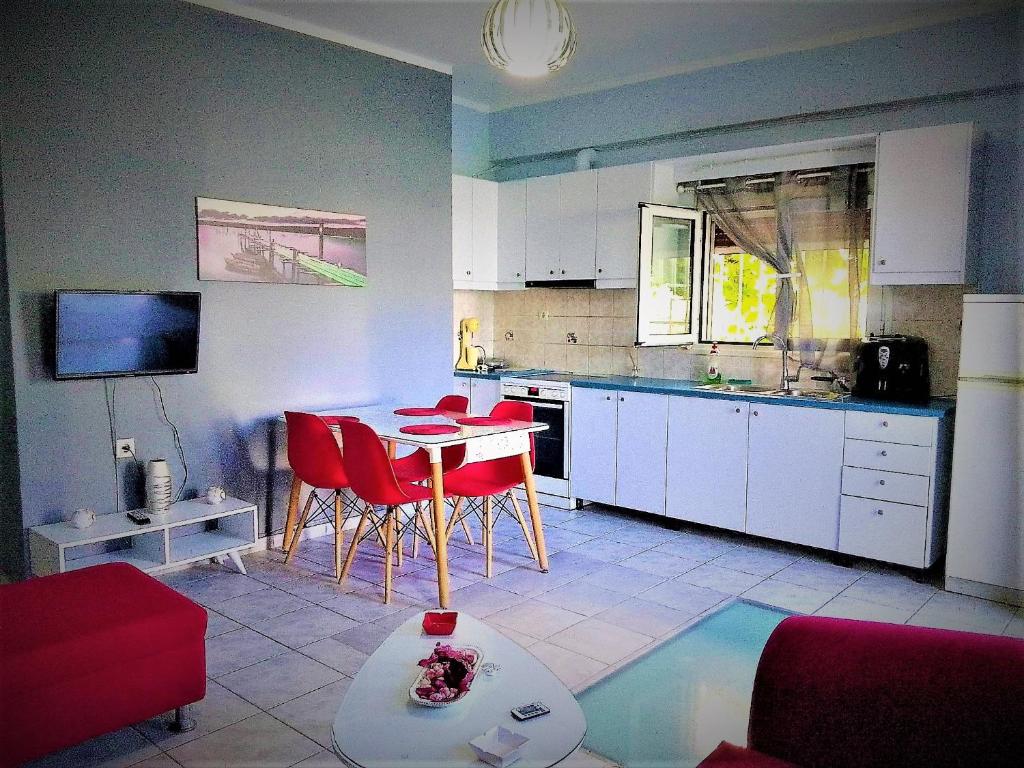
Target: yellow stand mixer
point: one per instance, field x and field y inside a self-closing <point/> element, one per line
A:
<point x="469" y="355"/>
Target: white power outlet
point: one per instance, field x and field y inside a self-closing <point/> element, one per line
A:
<point x="124" y="448"/>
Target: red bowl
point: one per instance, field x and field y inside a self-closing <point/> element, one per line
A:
<point x="440" y="622"/>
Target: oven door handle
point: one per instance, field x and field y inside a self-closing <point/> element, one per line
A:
<point x="539" y="404"/>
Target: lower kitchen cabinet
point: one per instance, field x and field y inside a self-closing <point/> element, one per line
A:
<point x="640" y="451"/>
<point x="594" y="426"/>
<point x="483" y="394"/>
<point x="707" y="461"/>
<point x="794" y="474"/>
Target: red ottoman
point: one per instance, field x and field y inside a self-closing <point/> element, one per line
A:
<point x="91" y="651"/>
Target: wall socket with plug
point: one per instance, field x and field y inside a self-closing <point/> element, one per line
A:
<point x="124" y="448"/>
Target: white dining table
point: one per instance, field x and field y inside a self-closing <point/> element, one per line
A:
<point x="482" y="443"/>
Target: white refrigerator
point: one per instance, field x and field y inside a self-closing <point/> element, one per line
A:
<point x="985" y="550"/>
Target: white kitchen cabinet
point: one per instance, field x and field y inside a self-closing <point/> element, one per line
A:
<point x="511" y="237"/>
<point x="640" y="451"/>
<point x="578" y="224"/>
<point x="593" y="435"/>
<point x="474" y="233"/>
<point x="485" y="231"/>
<point x="620" y="190"/>
<point x="794" y="474"/>
<point x="543" y="230"/>
<point x="462" y="229"/>
<point x="707" y="461"/>
<point x="922" y="196"/>
<point x="464" y="386"/>
<point x="486" y="393"/>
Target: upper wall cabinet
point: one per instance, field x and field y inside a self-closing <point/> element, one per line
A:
<point x="620" y="190"/>
<point x="482" y="257"/>
<point x="922" y="196"/>
<point x="561" y="226"/>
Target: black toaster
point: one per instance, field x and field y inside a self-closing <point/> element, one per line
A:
<point x="892" y="368"/>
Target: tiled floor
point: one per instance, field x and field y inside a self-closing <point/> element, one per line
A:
<point x="285" y="641"/>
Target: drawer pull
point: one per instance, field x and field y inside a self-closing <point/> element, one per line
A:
<point x="755" y="413"/>
<point x="608" y="397"/>
<point x="879" y="512"/>
<point x="884" y="453"/>
<point x="881" y="482"/>
<point x="885" y="423"/>
<point x="737" y="410"/>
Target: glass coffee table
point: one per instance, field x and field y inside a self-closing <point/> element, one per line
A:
<point x="674" y="704"/>
<point x="378" y="726"/>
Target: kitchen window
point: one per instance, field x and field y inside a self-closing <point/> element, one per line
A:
<point x="812" y="225"/>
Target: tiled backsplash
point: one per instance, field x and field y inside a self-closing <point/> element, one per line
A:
<point x="592" y="331"/>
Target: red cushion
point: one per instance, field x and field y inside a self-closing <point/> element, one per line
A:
<point x="108" y="616"/>
<point x="853" y="694"/>
<point x="730" y="756"/>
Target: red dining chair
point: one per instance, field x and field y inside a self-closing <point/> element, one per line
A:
<point x="315" y="458"/>
<point x="373" y="480"/>
<point x="415" y="468"/>
<point x="480" y="487"/>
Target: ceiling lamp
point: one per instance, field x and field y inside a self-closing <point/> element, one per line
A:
<point x="528" y="38"/>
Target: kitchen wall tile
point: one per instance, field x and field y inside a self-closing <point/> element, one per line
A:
<point x="554" y="330"/>
<point x="625" y="302"/>
<point x="577" y="302"/>
<point x="602" y="303"/>
<point x="623" y="332"/>
<point x="555" y="356"/>
<point x="651" y="361"/>
<point x="926" y="302"/>
<point x="577" y="358"/>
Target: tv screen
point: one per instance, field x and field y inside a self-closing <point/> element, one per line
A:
<point x="111" y="333"/>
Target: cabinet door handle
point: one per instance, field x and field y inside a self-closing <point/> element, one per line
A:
<point x="737" y="410"/>
<point x="622" y="399"/>
<point x="551" y="271"/>
<point x="879" y="512"/>
<point x="755" y="413"/>
<point x="881" y="482"/>
<point x="608" y="397"/>
<point x="882" y="262"/>
<point x="518" y="274"/>
<point x="468" y="272"/>
<point x="885" y="423"/>
<point x="884" y="453"/>
<point x="563" y="271"/>
<point x="599" y="270"/>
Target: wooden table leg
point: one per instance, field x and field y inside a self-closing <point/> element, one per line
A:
<point x="392" y="449"/>
<point x="293" y="512"/>
<point x="531" y="500"/>
<point x="440" y="540"/>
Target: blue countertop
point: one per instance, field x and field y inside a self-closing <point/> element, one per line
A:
<point x="937" y="407"/>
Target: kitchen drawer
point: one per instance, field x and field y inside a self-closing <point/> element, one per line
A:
<point x="882" y="530"/>
<point x="894" y="457"/>
<point x="890" y="428"/>
<point x="887" y="486"/>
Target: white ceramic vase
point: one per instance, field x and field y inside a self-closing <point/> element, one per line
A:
<point x="158" y="487"/>
<point x="82" y="518"/>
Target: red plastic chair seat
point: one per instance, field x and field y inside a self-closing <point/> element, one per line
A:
<point x="730" y="756"/>
<point x="485" y="478"/>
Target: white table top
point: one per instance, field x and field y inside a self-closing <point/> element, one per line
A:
<point x="377" y="726"/>
<point x="386" y="423"/>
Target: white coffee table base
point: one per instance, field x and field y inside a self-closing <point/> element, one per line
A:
<point x="377" y="726"/>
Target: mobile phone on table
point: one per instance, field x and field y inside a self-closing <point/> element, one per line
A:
<point x="529" y="711"/>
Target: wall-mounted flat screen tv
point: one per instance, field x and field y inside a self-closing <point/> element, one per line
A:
<point x="121" y="333"/>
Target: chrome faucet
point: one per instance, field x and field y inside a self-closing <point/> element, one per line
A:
<point x="780" y="343"/>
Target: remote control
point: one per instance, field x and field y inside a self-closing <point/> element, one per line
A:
<point x="529" y="711"/>
<point x="138" y="518"/>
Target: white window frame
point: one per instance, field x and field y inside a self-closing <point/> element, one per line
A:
<point x="648" y="212"/>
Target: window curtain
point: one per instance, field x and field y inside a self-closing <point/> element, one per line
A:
<point x="795" y="221"/>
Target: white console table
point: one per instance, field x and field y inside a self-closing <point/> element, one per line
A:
<point x="192" y="530"/>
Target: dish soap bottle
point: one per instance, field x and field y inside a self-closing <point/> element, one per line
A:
<point x="714" y="374"/>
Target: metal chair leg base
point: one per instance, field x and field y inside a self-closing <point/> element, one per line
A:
<point x="183" y="720"/>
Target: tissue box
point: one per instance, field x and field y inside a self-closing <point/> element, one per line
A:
<point x="499" y="746"/>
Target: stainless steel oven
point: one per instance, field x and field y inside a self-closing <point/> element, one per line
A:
<point x="551" y="399"/>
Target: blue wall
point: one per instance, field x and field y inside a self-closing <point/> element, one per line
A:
<point x="116" y="115"/>
<point x="471" y="141"/>
<point x="970" y="70"/>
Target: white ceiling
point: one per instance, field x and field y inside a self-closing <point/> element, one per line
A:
<point x="619" y="41"/>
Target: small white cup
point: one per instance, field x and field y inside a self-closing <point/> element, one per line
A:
<point x="82" y="518"/>
<point x="215" y="494"/>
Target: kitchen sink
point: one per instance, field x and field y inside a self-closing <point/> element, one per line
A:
<point x="748" y="389"/>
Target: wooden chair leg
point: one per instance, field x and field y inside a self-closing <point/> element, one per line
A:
<point x="428" y="529"/>
<point x="399" y="535"/>
<point x="339" y="536"/>
<point x="297" y="534"/>
<point x="465" y="527"/>
<point x="417" y="520"/>
<point x="488" y="535"/>
<point x="293" y="513"/>
<point x="522" y="524"/>
<point x="390" y="537"/>
<point x="456" y="517"/>
<point x="363" y="520"/>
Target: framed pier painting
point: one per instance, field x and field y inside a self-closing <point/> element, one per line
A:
<point x="256" y="243"/>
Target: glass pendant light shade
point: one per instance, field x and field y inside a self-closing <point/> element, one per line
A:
<point x="528" y="38"/>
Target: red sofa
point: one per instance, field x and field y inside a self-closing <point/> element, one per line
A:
<point x="835" y="693"/>
<point x="91" y="651"/>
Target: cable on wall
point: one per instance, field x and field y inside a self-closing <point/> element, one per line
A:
<point x="177" y="437"/>
<point x="108" y="399"/>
